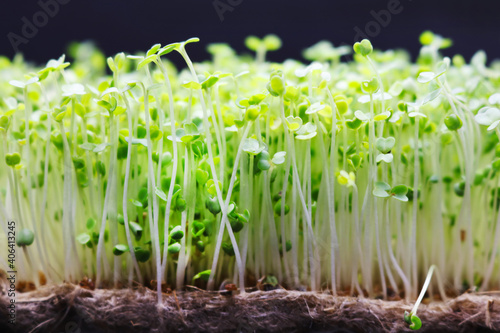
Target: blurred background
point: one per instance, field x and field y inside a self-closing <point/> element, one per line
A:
<point x="43" y="29"/>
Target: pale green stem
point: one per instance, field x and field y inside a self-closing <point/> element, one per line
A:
<point x="214" y="175"/>
<point x="125" y="192"/>
<point x="423" y="291"/>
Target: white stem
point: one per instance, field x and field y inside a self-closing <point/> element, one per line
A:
<point x="125" y="192"/>
<point x="424" y="289"/>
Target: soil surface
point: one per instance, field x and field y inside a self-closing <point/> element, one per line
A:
<point x="70" y="308"/>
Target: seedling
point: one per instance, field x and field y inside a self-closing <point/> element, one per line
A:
<point x="411" y="317"/>
<point x="329" y="175"/>
<point x="25" y="238"/>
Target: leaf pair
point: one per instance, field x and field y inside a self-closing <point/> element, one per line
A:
<point x="385" y="145"/>
<point x="12" y="159"/>
<point x="157" y="51"/>
<point x="346" y="179"/>
<point x="384" y="190"/>
<point x="270" y="43"/>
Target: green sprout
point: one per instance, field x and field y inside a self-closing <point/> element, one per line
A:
<point x="261" y="46"/>
<point x="384" y="190"/>
<point x="339" y="175"/>
<point x="12" y="159"/>
<point x="25" y="237"/>
<point x="411" y="317"/>
<point x="202" y="275"/>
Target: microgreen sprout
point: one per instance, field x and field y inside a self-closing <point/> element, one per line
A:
<point x="340" y="175"/>
<point x="411" y="317"/>
<point x="261" y="46"/>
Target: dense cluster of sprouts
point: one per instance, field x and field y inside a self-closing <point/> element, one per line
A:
<point x="350" y="176"/>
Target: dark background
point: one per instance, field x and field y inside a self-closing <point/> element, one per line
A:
<point x="132" y="25"/>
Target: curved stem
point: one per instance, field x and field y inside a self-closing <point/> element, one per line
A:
<point x="125" y="191"/>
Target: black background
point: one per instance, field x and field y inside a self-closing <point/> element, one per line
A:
<point x="132" y="25"/>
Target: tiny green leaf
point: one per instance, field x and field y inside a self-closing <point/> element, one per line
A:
<point x="12" y="159"/>
<point x="387" y="158"/>
<point x="58" y="114"/>
<point x="346" y="179"/>
<point x="355" y="123"/>
<point x="197" y="229"/>
<point x="91" y="223"/>
<point x="453" y="122"/>
<point x="371" y="86"/>
<point x="190" y="40"/>
<point x="180" y="204"/>
<point x="425" y="77"/>
<point x="120" y="249"/>
<point x="25" y="237"/>
<point x="488" y="116"/>
<point x="407" y="317"/>
<point x="416" y="323"/>
<point x="363" y="48"/>
<point x="177" y="233"/>
<point x="279" y="158"/>
<point x="88" y="146"/>
<point x="192" y="85"/>
<point x="174" y="248"/>
<point x="315" y="108"/>
<point x="399" y="192"/>
<point x="4" y="123"/>
<point x="160" y="193"/>
<point x="136" y="230"/>
<point x="205" y="275"/>
<point x="263" y="165"/>
<point x="99" y="148"/>
<point x="381" y="189"/>
<point x="83" y="239"/>
<point x="146" y="61"/>
<point x="209" y="82"/>
<point x="277" y="208"/>
<point x="153" y="50"/>
<point x="136" y="203"/>
<point x="142" y="255"/>
<point x="306" y="132"/>
<point x="385" y="145"/>
<point x="167" y="49"/>
<point x="252" y="146"/>
<point x="18" y="84"/>
<point x="200" y="245"/>
<point x="293" y="123"/>
<point x="213" y="206"/>
<point x="228" y="248"/>
<point x="272" y="42"/>
<point x="111" y="64"/>
<point x="252" y="43"/>
<point x="431" y="96"/>
<point x="201" y="176"/>
<point x="494" y="99"/>
<point x="360" y="115"/>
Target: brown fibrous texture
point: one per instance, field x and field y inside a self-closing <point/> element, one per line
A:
<point x="76" y="309"/>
